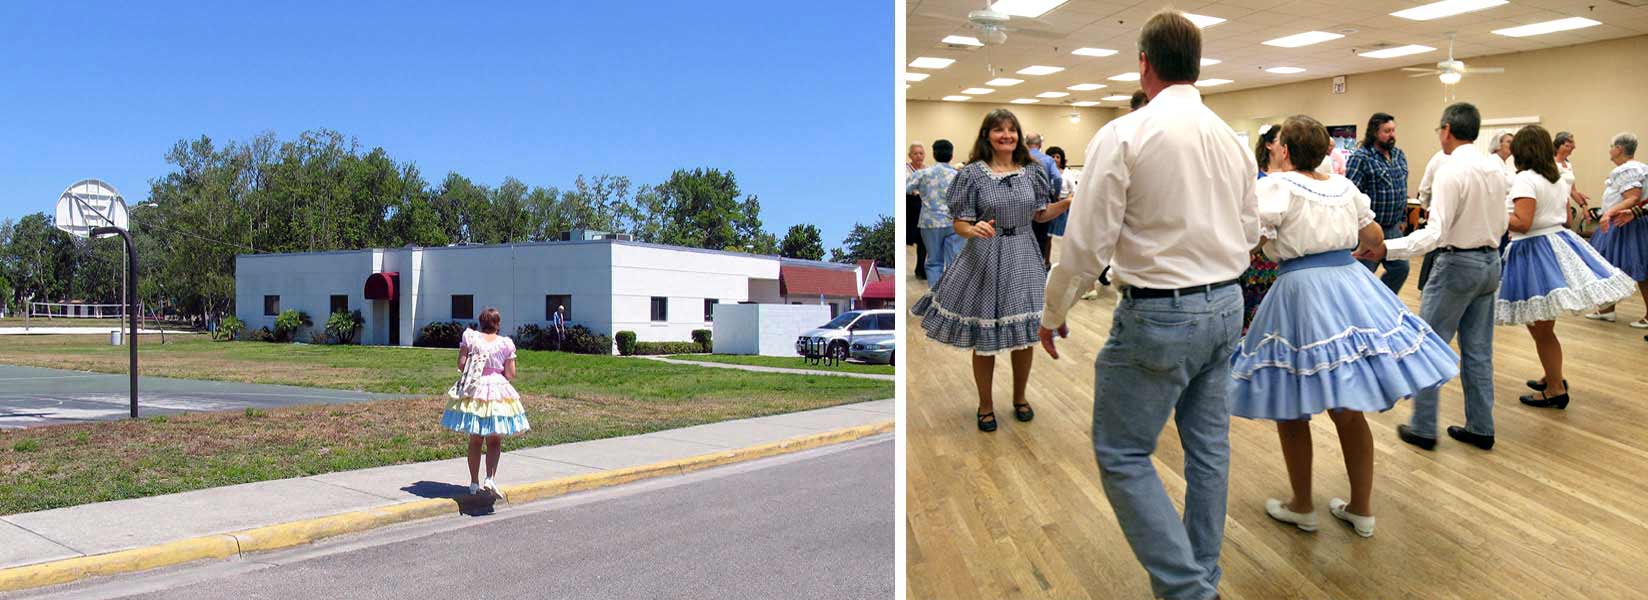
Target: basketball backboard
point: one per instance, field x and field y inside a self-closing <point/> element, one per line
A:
<point x="89" y="204"/>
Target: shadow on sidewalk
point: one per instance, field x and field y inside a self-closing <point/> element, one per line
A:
<point x="474" y="505"/>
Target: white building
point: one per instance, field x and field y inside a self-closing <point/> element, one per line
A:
<point x="662" y="293"/>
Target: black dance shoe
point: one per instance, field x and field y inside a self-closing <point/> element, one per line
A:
<point x="987" y="426"/>
<point x="1484" y="442"/>
<point x="1539" y="385"/>
<point x="1559" y="401"/>
<point x="1407" y="435"/>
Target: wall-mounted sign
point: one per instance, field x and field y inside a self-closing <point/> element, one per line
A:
<point x="1339" y="84"/>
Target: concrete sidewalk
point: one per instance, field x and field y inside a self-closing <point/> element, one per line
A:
<point x="760" y="369"/>
<point x="44" y="537"/>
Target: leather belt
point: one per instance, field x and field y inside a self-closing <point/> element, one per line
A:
<point x="1137" y="292"/>
<point x="1478" y="249"/>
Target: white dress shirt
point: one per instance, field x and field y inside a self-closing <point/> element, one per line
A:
<point x="1430" y="177"/>
<point x="1550" y="202"/>
<point x="1467" y="206"/>
<point x="1170" y="204"/>
<point x="1300" y="216"/>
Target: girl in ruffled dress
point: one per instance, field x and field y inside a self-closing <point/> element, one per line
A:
<point x="490" y="408"/>
<point x="1328" y="337"/>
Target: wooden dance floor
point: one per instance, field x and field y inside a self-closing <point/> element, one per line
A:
<point x="1558" y="509"/>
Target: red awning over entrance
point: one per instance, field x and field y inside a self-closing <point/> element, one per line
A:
<point x="381" y="286"/>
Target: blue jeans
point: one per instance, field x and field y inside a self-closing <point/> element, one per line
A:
<point x="1396" y="270"/>
<point x="943" y="247"/>
<point x="1459" y="298"/>
<point x="1169" y="356"/>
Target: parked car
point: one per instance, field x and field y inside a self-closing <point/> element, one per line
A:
<point x="874" y="348"/>
<point x="836" y="337"/>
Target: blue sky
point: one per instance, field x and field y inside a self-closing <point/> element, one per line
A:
<point x="796" y="100"/>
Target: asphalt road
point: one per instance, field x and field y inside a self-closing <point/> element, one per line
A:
<point x="32" y="397"/>
<point x="817" y="524"/>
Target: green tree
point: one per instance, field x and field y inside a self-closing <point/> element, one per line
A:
<point x="803" y="241"/>
<point x="701" y="209"/>
<point x="873" y="242"/>
<point x="40" y="259"/>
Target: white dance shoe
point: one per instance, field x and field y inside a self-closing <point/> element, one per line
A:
<point x="1363" y="525"/>
<point x="1602" y="316"/>
<point x="1277" y="510"/>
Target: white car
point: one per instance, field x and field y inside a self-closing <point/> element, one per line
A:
<point x="836" y="337"/>
<point x="875" y="348"/>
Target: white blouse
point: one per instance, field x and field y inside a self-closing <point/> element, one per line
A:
<point x="1301" y="216"/>
<point x="1550" y="202"/>
<point x="1071" y="177"/>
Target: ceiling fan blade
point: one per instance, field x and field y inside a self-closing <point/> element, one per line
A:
<point x="1426" y="69"/>
<point x="1430" y="74"/>
<point x="936" y="16"/>
<point x="1474" y="71"/>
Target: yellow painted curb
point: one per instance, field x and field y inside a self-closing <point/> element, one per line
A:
<point x="296" y="533"/>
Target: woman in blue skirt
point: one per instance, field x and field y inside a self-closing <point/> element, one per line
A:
<point x="1547" y="269"/>
<point x="1328" y="337"/>
<point x="1624" y="246"/>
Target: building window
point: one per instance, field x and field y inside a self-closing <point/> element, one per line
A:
<point x="340" y="304"/>
<point x="660" y="309"/>
<point x="463" y="306"/>
<point x="835" y="310"/>
<point x="552" y="301"/>
<point x="709" y="309"/>
<point x="271" y="306"/>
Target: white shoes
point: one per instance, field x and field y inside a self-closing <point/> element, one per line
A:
<point x="1276" y="510"/>
<point x="489" y="486"/>
<point x="1603" y="316"/>
<point x="474" y="488"/>
<point x="1640" y="324"/>
<point x="1363" y="525"/>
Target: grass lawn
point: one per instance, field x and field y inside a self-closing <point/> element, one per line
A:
<point x="787" y="362"/>
<point x="569" y="398"/>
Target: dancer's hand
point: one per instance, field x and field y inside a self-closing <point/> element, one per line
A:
<point x="1047" y="339"/>
<point x="985" y="229"/>
<point x="1621" y="217"/>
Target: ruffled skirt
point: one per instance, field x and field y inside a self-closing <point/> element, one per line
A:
<point x="494" y="409"/>
<point x="990" y="300"/>
<point x="1329" y="336"/>
<point x="1625" y="247"/>
<point x="1548" y="275"/>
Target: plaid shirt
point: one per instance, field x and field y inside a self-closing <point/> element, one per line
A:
<point x="1385" y="181"/>
<point x="933" y="185"/>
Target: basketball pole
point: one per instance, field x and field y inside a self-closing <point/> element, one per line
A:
<point x="131" y="301"/>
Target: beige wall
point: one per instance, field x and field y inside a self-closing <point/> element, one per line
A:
<point x="925" y="121"/>
<point x="1593" y="90"/>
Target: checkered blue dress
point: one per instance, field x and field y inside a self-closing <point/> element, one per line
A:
<point x="990" y="300"/>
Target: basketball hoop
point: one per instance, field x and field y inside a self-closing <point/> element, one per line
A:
<point x="92" y="208"/>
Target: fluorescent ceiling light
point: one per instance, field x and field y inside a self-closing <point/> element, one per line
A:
<point x="1203" y="21"/>
<point x="1025" y="101"/>
<point x="1208" y="62"/>
<point x="1284" y="70"/>
<point x="1548" y="27"/>
<point x="962" y="40"/>
<point x="1004" y="81"/>
<point x="1084" y="103"/>
<point x="958" y="98"/>
<point x="1398" y="51"/>
<point x="1446" y="8"/>
<point x="915" y="76"/>
<point x="1025" y="8"/>
<point x="1212" y="82"/>
<point x="1302" y="39"/>
<point x="1039" y="70"/>
<point x="1100" y="52"/>
<point x="1085" y="87"/>
<point x="1125" y="77"/>
<point x="928" y="62"/>
<point x="1052" y="94"/>
<point x="977" y="91"/>
<point x="1117" y="97"/>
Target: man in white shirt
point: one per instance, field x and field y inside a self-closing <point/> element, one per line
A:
<point x="1425" y="202"/>
<point x="1467" y="220"/>
<point x="1168" y="204"/>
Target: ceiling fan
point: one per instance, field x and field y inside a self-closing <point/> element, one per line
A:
<point x="992" y="25"/>
<point x="1450" y="71"/>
